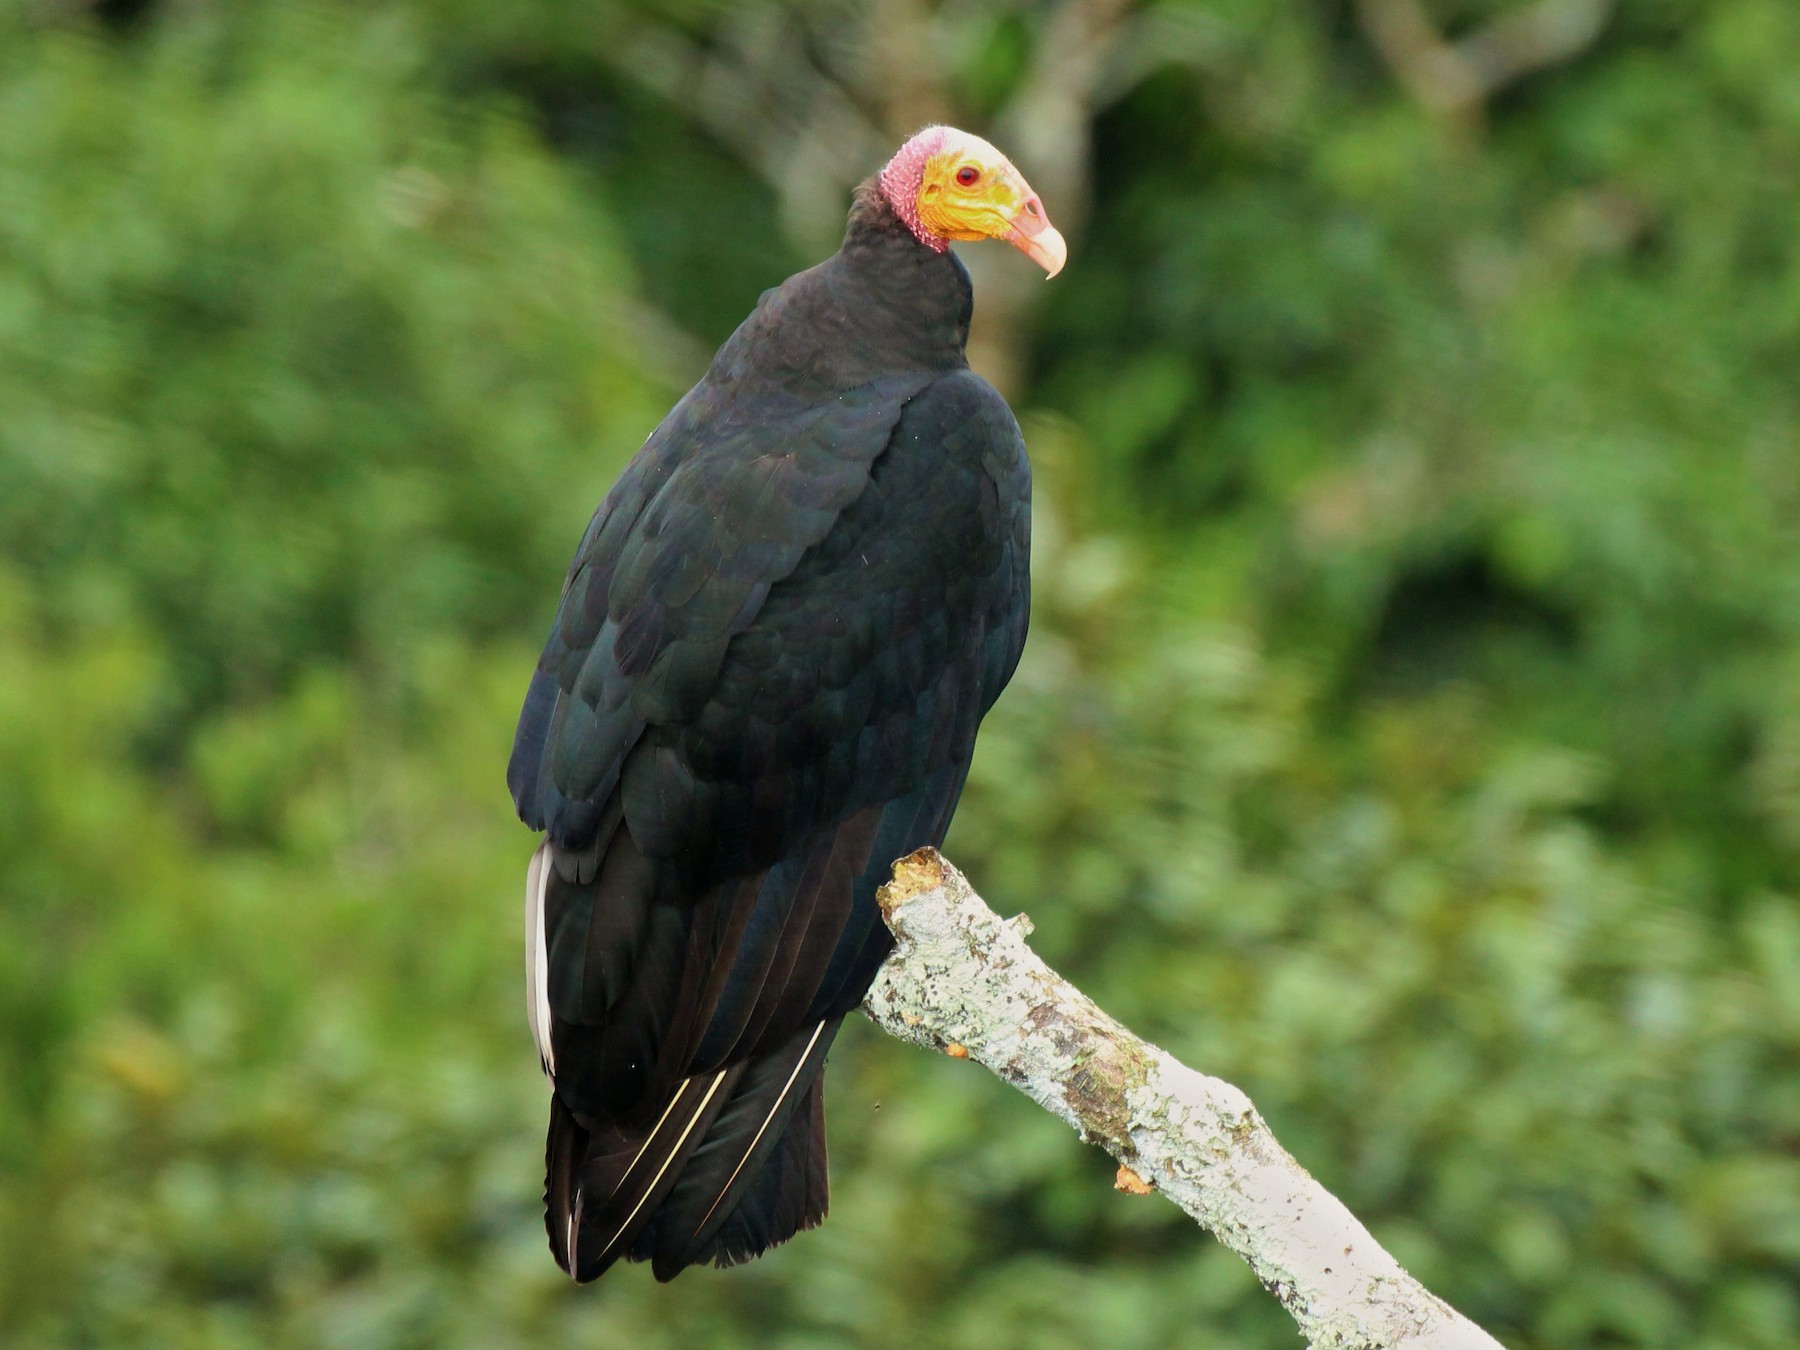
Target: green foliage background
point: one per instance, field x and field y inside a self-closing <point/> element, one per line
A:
<point x="1410" y="730"/>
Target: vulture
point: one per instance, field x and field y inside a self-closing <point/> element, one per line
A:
<point x="775" y="644"/>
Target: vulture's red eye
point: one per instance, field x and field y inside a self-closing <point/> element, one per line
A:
<point x="968" y="175"/>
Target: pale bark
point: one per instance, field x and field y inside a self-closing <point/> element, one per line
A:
<point x="964" y="982"/>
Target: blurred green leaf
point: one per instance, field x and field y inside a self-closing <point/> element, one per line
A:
<point x="1408" y="730"/>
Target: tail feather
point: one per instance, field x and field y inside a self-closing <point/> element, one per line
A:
<point x="787" y="1195"/>
<point x="734" y="1165"/>
<point x="743" y="1145"/>
<point x="626" y="1174"/>
<point x="564" y="1149"/>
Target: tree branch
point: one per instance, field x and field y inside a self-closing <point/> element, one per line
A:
<point x="1455" y="77"/>
<point x="964" y="982"/>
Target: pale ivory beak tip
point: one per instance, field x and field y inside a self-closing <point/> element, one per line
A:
<point x="1047" y="249"/>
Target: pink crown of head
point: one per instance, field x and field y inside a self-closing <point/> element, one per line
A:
<point x="904" y="175"/>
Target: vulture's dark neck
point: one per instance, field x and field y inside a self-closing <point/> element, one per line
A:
<point x="883" y="304"/>
<point x="926" y="291"/>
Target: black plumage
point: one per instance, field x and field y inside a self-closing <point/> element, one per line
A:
<point x="775" y="644"/>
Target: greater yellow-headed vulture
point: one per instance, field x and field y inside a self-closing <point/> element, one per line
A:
<point x="775" y="644"/>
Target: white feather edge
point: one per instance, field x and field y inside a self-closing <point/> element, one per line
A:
<point x="537" y="958"/>
<point x="668" y="1158"/>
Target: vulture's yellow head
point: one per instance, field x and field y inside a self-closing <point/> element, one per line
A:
<point x="947" y="184"/>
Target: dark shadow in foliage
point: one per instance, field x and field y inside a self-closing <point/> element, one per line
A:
<point x="123" y="15"/>
<point x="1442" y="619"/>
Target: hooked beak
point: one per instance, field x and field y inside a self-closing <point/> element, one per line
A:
<point x="1033" y="235"/>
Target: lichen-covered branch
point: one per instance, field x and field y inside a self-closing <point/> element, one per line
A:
<point x="963" y="981"/>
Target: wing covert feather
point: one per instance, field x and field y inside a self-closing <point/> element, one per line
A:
<point x="723" y="500"/>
